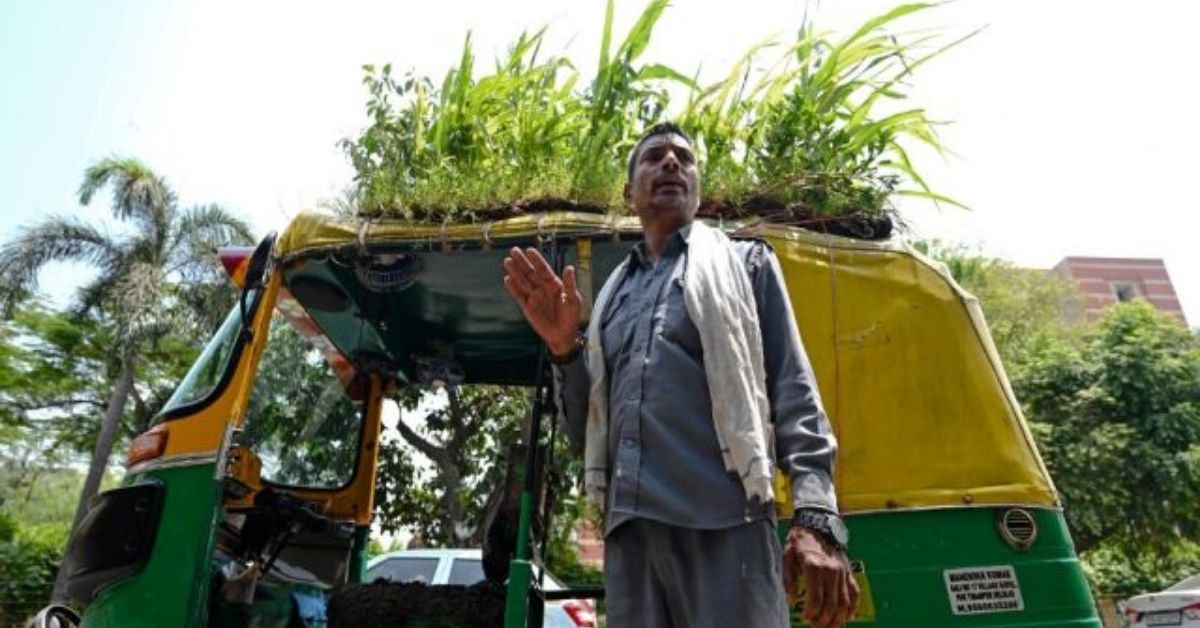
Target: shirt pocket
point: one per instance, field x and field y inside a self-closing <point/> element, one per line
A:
<point x="672" y="322"/>
<point x="613" y="329"/>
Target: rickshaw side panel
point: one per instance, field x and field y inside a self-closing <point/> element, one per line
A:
<point x="172" y="588"/>
<point x="905" y="555"/>
<point x="914" y="390"/>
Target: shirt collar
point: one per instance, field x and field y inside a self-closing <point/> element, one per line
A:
<point x="675" y="244"/>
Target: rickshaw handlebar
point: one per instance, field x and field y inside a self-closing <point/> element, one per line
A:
<point x="305" y="513"/>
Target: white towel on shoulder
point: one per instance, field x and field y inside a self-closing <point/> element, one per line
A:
<point x="720" y="302"/>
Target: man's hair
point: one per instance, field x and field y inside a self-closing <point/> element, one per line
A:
<point x="662" y="128"/>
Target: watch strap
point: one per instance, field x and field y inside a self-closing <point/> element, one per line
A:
<point x="819" y="522"/>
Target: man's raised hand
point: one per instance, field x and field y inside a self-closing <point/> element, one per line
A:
<point x="553" y="306"/>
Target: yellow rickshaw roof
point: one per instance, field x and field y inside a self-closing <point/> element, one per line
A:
<point x="909" y="376"/>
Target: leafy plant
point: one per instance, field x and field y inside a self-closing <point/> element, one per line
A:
<point x="1118" y="570"/>
<point x="27" y="566"/>
<point x="813" y="131"/>
<point x="815" y="136"/>
<point x="470" y="144"/>
<point x="137" y="293"/>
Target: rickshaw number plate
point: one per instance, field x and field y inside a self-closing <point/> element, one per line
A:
<point x="976" y="590"/>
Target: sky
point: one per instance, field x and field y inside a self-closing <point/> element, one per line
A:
<point x="1071" y="122"/>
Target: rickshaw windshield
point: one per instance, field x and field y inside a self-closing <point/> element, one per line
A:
<point x="300" y="421"/>
<point x="208" y="371"/>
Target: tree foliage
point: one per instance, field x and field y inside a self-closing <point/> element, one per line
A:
<point x="58" y="371"/>
<point x="159" y="288"/>
<point x="139" y="293"/>
<point x="448" y="458"/>
<point x="449" y="455"/>
<point x="1115" y="408"/>
<point x="1116" y="572"/>
<point x="1022" y="305"/>
<point x="824" y="125"/>
<point x="53" y="370"/>
<point x="28" y="559"/>
<point x="1119" y="424"/>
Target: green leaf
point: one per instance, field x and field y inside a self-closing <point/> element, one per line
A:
<point x="639" y="36"/>
<point x="658" y="71"/>
<point x="606" y="37"/>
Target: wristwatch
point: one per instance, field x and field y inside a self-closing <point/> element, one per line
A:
<point x="828" y="525"/>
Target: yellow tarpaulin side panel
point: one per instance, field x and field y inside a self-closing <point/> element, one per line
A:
<point x="922" y="410"/>
<point x="908" y="374"/>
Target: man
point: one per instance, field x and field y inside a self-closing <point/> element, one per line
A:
<point x="689" y="538"/>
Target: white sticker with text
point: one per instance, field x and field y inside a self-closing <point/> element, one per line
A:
<point x="975" y="590"/>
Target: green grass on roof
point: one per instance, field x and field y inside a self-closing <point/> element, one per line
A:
<point x="822" y="129"/>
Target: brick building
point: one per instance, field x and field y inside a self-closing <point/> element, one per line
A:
<point x="1104" y="281"/>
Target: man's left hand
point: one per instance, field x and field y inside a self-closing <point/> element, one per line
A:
<point x="831" y="593"/>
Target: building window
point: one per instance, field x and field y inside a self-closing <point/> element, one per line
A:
<point x="1125" y="291"/>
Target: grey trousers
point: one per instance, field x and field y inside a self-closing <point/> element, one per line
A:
<point x="662" y="576"/>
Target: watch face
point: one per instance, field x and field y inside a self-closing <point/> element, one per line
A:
<point x="838" y="529"/>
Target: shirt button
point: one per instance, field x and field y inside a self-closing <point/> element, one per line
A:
<point x="627" y="442"/>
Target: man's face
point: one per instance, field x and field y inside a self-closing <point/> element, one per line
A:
<point x="665" y="182"/>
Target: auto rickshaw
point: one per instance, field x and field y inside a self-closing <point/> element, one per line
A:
<point x="244" y="481"/>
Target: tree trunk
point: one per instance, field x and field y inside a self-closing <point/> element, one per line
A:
<point x="451" y="503"/>
<point x="99" y="463"/>
<point x="452" y="468"/>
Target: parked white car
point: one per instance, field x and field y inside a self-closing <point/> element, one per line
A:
<point x="1178" y="605"/>
<point x="465" y="567"/>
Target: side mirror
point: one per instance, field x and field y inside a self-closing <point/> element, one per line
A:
<point x="256" y="274"/>
<point x="256" y="269"/>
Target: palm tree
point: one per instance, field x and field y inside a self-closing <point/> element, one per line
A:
<point x="141" y="270"/>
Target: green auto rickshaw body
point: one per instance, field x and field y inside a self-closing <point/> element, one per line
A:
<point x="954" y="520"/>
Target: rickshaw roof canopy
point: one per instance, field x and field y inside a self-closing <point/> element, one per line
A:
<point x="909" y="376"/>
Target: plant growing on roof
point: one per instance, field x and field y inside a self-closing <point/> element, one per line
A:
<point x="820" y="130"/>
<point x="815" y="139"/>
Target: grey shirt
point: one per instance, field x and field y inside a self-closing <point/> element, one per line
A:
<point x="664" y="460"/>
